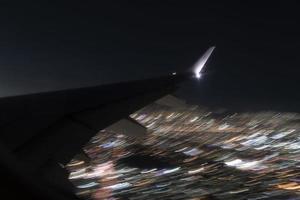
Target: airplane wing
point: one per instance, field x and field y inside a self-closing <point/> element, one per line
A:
<point x="40" y="133"/>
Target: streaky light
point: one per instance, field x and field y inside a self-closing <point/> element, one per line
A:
<point x="201" y="62"/>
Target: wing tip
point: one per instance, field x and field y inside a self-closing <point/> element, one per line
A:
<point x="198" y="67"/>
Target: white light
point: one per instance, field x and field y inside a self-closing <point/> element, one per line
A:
<point x="119" y="186"/>
<point x="295" y="145"/>
<point x="77" y="174"/>
<point x="201" y="62"/>
<point x="223" y="127"/>
<point x="174" y="73"/>
<point x="148" y="171"/>
<point x="126" y="170"/>
<point x="75" y="163"/>
<point x="192" y="152"/>
<point x="234" y="163"/>
<point x="282" y="134"/>
<point x="194" y="119"/>
<point x="92" y="184"/>
<point x="198" y="75"/>
<point x="245" y="165"/>
<point x="149" y="125"/>
<point x="249" y="165"/>
<point x="196" y="171"/>
<point x="114" y="177"/>
<point x="100" y="170"/>
<point x="182" y="149"/>
<point x="239" y="191"/>
<point x="171" y="170"/>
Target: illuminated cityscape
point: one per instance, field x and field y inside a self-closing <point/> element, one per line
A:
<point x="193" y="152"/>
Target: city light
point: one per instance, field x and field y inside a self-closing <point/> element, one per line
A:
<point x="192" y="154"/>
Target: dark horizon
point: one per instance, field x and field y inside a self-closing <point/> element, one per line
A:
<point x="67" y="45"/>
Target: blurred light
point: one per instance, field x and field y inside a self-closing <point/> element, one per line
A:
<point x="171" y="170"/>
<point x="72" y="164"/>
<point x="201" y="62"/>
<point x="256" y="152"/>
<point x="148" y="171"/>
<point x="223" y="127"/>
<point x="192" y="152"/>
<point x="239" y="191"/>
<point x="119" y="186"/>
<point x="92" y="184"/>
<point x="196" y="170"/>
<point x="234" y="163"/>
<point x="194" y="119"/>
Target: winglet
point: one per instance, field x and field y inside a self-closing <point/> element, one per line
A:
<point x="197" y="68"/>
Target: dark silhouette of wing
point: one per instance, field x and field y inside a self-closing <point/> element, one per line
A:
<point x="40" y="133"/>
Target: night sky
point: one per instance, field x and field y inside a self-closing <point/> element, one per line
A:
<point x="76" y="44"/>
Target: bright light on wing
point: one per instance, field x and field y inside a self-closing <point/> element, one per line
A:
<point x="198" y="74"/>
<point x="201" y="62"/>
